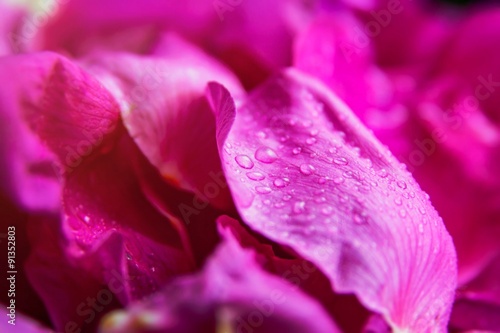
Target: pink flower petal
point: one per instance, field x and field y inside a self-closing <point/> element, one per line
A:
<point x="477" y="306"/>
<point x="348" y="313"/>
<point x="102" y="199"/>
<point x="78" y="123"/>
<point x="334" y="50"/>
<point x="231" y="293"/>
<point x="334" y="194"/>
<point x="167" y="114"/>
<point x="28" y="176"/>
<point x="74" y="296"/>
<point x="22" y="323"/>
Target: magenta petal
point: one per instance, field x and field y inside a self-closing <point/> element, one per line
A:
<point x="329" y="49"/>
<point x="79" y="121"/>
<point x="21" y="323"/>
<point x="102" y="199"/>
<point x="477" y="305"/>
<point x="27" y="169"/>
<point x="305" y="173"/>
<point x="231" y="294"/>
<point x="64" y="284"/>
<point x="167" y="114"/>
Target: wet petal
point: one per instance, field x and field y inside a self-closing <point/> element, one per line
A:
<point x="231" y="294"/>
<point x="334" y="194"/>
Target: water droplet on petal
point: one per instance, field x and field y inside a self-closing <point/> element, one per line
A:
<point x="261" y="134"/>
<point x="338" y="180"/>
<point x="359" y="219"/>
<point x="402" y="213"/>
<point x="244" y="161"/>
<point x="296" y="150"/>
<point x="311" y="141"/>
<point x="398" y="201"/>
<point x="278" y="182"/>
<point x="266" y="155"/>
<point x="321" y="180"/>
<point x="299" y="207"/>
<point x="421" y="228"/>
<point x="422" y="210"/>
<point x="314" y="132"/>
<point x="320" y="200"/>
<point x="263" y="189"/>
<point x="306" y="169"/>
<point x="327" y="210"/>
<point x="279" y="205"/>
<point x="401" y="184"/>
<point x="340" y="161"/>
<point x="86" y="219"/>
<point x="383" y="173"/>
<point x="255" y="176"/>
<point x="287" y="197"/>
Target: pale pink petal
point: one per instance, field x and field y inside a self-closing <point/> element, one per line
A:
<point x="304" y="172"/>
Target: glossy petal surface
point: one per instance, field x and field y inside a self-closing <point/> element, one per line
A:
<point x="333" y="193"/>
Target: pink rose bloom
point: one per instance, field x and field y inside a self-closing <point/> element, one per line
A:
<point x="242" y="166"/>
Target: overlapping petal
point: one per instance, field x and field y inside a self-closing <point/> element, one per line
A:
<point x="304" y="172"/>
<point x="165" y="111"/>
<point x="28" y="175"/>
<point x="82" y="127"/>
<point x="232" y="293"/>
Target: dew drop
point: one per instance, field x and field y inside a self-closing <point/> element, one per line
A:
<point x="421" y="228"/>
<point x="402" y="213"/>
<point x="296" y="150"/>
<point x="333" y="150"/>
<point x="359" y="219"/>
<point x="306" y="169"/>
<point x="327" y="210"/>
<point x="340" y="161"/>
<point x="279" y="205"/>
<point x="321" y="180"/>
<point x="320" y="200"/>
<point x="299" y="207"/>
<point x="287" y="197"/>
<point x="422" y="210"/>
<point x="383" y="173"/>
<point x="278" y="182"/>
<point x="338" y="180"/>
<point x="263" y="189"/>
<point x="348" y="174"/>
<point x="255" y="176"/>
<point x="314" y="132"/>
<point x="261" y="134"/>
<point x="398" y="201"/>
<point x="244" y="161"/>
<point x="86" y="219"/>
<point x="311" y="141"/>
<point x="266" y="155"/>
<point x="401" y="184"/>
